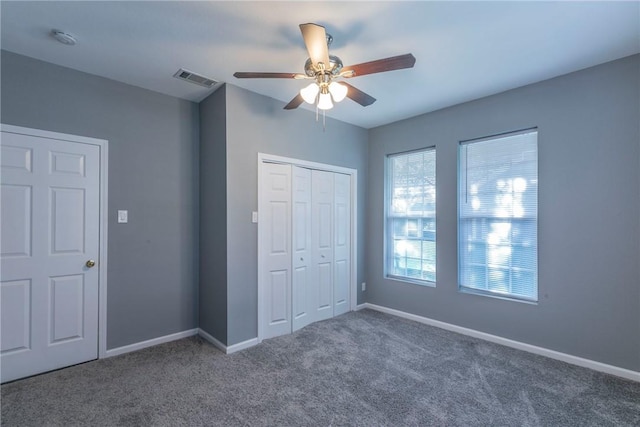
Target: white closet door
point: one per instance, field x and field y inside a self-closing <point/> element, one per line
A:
<point x="50" y="196"/>
<point x="322" y="240"/>
<point x="302" y="279"/>
<point x="342" y="247"/>
<point x="275" y="218"/>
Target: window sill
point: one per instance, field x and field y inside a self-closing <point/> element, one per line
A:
<point x="496" y="296"/>
<point x="426" y="283"/>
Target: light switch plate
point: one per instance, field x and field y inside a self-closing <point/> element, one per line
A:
<point x="123" y="217"/>
<point x="254" y="217"/>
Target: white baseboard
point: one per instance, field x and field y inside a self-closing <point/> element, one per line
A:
<point x="227" y="349"/>
<point x="360" y="307"/>
<point x="574" y="360"/>
<point x="149" y="343"/>
<point x="217" y="344"/>
<point x="242" y="345"/>
<point x="179" y="335"/>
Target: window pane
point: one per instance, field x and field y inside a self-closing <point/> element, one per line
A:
<point x="399" y="248"/>
<point x="429" y="252"/>
<point x="475" y="275"/>
<point x="399" y="227"/>
<point x="411" y="225"/>
<point x="498" y="208"/>
<point x="412" y="228"/>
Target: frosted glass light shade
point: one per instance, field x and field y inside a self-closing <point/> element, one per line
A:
<point x="324" y="102"/>
<point x="338" y="91"/>
<point x="309" y="93"/>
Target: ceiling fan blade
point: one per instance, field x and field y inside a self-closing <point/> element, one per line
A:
<point x="294" y="103"/>
<point x="379" y="66"/>
<point x="315" y="38"/>
<point x="258" y="75"/>
<point x="359" y="96"/>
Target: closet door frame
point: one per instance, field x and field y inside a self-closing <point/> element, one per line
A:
<point x="353" y="173"/>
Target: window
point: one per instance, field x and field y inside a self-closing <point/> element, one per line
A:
<point x="497" y="216"/>
<point x="411" y="216"/>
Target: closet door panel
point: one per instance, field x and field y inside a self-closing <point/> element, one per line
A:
<point x="322" y="197"/>
<point x="303" y="292"/>
<point x="342" y="240"/>
<point x="276" y="248"/>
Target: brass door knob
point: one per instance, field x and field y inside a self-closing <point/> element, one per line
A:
<point x="90" y="263"/>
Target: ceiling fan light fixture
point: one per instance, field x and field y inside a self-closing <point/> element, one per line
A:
<point x="324" y="101"/>
<point x="309" y="93"/>
<point x="338" y="91"/>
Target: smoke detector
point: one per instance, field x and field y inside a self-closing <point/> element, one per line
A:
<point x="62" y="37"/>
<point x="192" y="77"/>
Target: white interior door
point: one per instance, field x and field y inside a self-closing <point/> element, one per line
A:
<point x="275" y="219"/>
<point x="322" y="240"/>
<point x="50" y="196"/>
<point x="302" y="278"/>
<point x="341" y="243"/>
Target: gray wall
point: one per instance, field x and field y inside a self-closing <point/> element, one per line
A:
<point x="589" y="201"/>
<point x="589" y="213"/>
<point x="153" y="170"/>
<point x="213" y="215"/>
<point x="255" y="124"/>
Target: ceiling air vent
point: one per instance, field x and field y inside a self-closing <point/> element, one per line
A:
<point x="194" y="78"/>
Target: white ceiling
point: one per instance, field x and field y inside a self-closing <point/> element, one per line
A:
<point x="464" y="50"/>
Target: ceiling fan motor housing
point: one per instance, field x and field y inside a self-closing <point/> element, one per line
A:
<point x="335" y="66"/>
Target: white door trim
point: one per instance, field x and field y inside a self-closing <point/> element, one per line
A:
<point x="271" y="158"/>
<point x="103" y="146"/>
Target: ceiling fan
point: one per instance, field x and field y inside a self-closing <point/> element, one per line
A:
<point x="324" y="69"/>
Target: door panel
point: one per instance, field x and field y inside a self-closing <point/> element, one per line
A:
<point x="300" y="224"/>
<point x="66" y="302"/>
<point x="323" y="302"/>
<point x="17" y="158"/>
<point x="322" y="240"/>
<point x="324" y="223"/>
<point x="67" y="163"/>
<point x="275" y="210"/>
<point x="278" y="211"/>
<point x="16" y="315"/>
<point x="67" y="220"/>
<point x="342" y="239"/>
<point x="50" y="197"/>
<point x="16" y="210"/>
<point x="303" y="295"/>
<point x="278" y="297"/>
<point x="300" y="295"/>
<point x="341" y="292"/>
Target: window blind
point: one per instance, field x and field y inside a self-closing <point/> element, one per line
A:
<point x="411" y="215"/>
<point x="497" y="218"/>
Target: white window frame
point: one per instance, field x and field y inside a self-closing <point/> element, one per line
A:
<point x="388" y="250"/>
<point x="474" y="290"/>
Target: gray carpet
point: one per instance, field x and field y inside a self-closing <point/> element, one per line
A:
<point x="359" y="369"/>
